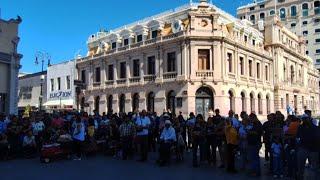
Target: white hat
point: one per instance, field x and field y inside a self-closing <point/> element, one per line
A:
<point x="167" y="122"/>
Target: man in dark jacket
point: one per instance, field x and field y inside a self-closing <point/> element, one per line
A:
<point x="308" y="147"/>
<point x="254" y="144"/>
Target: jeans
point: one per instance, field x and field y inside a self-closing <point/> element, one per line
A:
<point x="143" y="143"/>
<point x="243" y="155"/>
<point x="126" y="143"/>
<point x="231" y="152"/>
<point x="195" y="145"/>
<point x="164" y="151"/>
<point x="303" y="155"/>
<point x="254" y="158"/>
<point x="277" y="165"/>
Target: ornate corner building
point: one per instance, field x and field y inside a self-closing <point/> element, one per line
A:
<point x="194" y="58"/>
<point x="9" y="65"/>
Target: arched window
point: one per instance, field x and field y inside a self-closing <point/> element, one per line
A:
<point x="253" y="19"/>
<point x="150" y="102"/>
<point x="97" y="104"/>
<point x="171" y="101"/>
<point x="293" y="11"/>
<point x="282" y="13"/>
<point x="259" y="104"/>
<point x="317" y="7"/>
<point x="243" y="101"/>
<point x="122" y="103"/>
<point x="135" y="102"/>
<point x="110" y="102"/>
<point x="272" y="12"/>
<point x="268" y="104"/>
<point x="231" y="100"/>
<point x="305" y="9"/>
<point x="262" y="16"/>
<point x="252" y="103"/>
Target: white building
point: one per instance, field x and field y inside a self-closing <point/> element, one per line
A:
<point x="194" y="58"/>
<point x="30" y="92"/>
<point x="302" y="17"/>
<point x="60" y="86"/>
<point x="9" y="65"/>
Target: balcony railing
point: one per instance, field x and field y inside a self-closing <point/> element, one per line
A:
<point x="170" y="75"/>
<point x="134" y="80"/>
<point x="204" y="74"/>
<point x="121" y="81"/>
<point x="109" y="82"/>
<point x="149" y="78"/>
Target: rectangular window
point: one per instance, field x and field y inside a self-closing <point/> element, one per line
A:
<point x="241" y="65"/>
<point x="246" y="39"/>
<point x="97" y="74"/>
<point x="317" y="40"/>
<point x="305" y="33"/>
<point x="229" y="61"/>
<point x="287" y="100"/>
<point x="251" y="8"/>
<point x="136" y="68"/>
<point x="317" y="30"/>
<point x="83" y="76"/>
<point x="203" y="59"/>
<point x="305" y="22"/>
<point x="250" y="68"/>
<point x="261" y="6"/>
<point x="154" y="34"/>
<point x="318" y="61"/>
<point x="139" y="38"/>
<point x="282" y="103"/>
<point x="258" y="70"/>
<point x="266" y="69"/>
<point x="318" y="51"/>
<point x="151" y="65"/>
<point x="110" y="72"/>
<point x="114" y="45"/>
<point x="171" y="62"/>
<point x="68" y="81"/>
<point x="123" y="71"/>
<point x="59" y="83"/>
<point x="125" y="42"/>
<point x="52" y="84"/>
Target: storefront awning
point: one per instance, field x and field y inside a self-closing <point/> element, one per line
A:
<point x="66" y="102"/>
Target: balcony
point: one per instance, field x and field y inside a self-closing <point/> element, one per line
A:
<point x="134" y="80"/>
<point x="135" y="45"/>
<point x="109" y="82"/>
<point x="121" y="81"/>
<point x="95" y="84"/>
<point x="204" y="74"/>
<point x="149" y="78"/>
<point x="170" y="75"/>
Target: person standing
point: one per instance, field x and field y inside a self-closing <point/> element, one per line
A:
<point x="127" y="133"/>
<point x="276" y="149"/>
<point x="232" y="143"/>
<point x="254" y="145"/>
<point x="78" y="137"/>
<point x="142" y="126"/>
<point x="198" y="139"/>
<point x="167" y="138"/>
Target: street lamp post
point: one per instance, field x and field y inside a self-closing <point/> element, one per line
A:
<point x="42" y="57"/>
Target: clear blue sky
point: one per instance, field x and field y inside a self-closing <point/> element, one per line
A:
<point x="61" y="27"/>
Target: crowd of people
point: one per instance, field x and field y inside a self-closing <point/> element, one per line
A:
<point x="289" y="142"/>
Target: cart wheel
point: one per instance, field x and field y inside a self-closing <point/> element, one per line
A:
<point x="46" y="160"/>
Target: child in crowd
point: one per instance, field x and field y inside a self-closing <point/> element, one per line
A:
<point x="276" y="149"/>
<point x="29" y="145"/>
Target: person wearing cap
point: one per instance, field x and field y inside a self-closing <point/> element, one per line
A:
<point x="167" y="138"/>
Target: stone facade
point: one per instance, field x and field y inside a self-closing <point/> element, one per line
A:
<point x="9" y="65"/>
<point x="302" y="17"/>
<point x="194" y="58"/>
